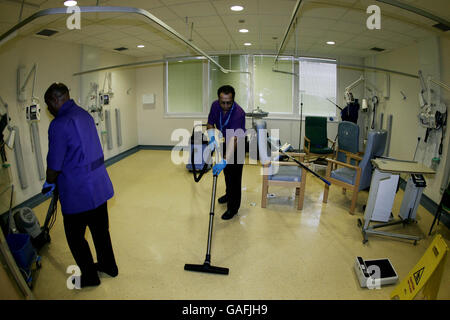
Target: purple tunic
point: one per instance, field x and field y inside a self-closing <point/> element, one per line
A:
<point x="233" y="119"/>
<point x="75" y="151"/>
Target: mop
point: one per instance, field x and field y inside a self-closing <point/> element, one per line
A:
<point x="206" y="266"/>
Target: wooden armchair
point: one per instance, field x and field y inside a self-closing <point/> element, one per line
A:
<point x="355" y="176"/>
<point x="316" y="140"/>
<point x="279" y="173"/>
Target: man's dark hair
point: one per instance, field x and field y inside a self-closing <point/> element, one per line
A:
<point x="226" y="90"/>
<point x="59" y="89"/>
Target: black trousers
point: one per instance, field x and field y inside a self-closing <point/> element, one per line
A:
<point x="75" y="228"/>
<point x="233" y="183"/>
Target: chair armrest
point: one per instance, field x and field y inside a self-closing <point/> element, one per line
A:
<point x="304" y="144"/>
<point x="339" y="163"/>
<point x="354" y="156"/>
<point x="301" y="155"/>
<point x="350" y="155"/>
<point x="285" y="163"/>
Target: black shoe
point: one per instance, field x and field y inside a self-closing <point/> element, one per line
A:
<point x="228" y="215"/>
<point x="86" y="281"/>
<point x="110" y="272"/>
<point x="223" y="199"/>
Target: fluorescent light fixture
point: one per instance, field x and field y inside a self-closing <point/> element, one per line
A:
<point x="243" y="30"/>
<point x="70" y="3"/>
<point x="237" y="8"/>
<point x="247" y="44"/>
<point x="140" y="46"/>
<point x="331" y="42"/>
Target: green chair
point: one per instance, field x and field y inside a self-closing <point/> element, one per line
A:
<point x="444" y="207"/>
<point x="316" y="139"/>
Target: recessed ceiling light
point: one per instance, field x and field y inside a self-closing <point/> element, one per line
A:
<point x="140" y="46"/>
<point x="247" y="44"/>
<point x="70" y="3"/>
<point x="243" y="30"/>
<point x="237" y="8"/>
<point x="331" y="42"/>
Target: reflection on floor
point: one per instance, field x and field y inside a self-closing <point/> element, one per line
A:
<point x="159" y="221"/>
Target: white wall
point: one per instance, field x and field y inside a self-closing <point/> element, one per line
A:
<point x="154" y="128"/>
<point x="57" y="62"/>
<point x="123" y="85"/>
<point x="406" y="128"/>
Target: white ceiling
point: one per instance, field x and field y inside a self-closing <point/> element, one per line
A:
<point x="215" y="26"/>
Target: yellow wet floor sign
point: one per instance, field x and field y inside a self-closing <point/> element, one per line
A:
<point x="426" y="274"/>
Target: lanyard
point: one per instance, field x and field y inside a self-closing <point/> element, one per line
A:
<point x="228" y="119"/>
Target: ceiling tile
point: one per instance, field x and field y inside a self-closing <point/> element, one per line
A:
<point x="142" y="4"/>
<point x="321" y="11"/>
<point x="396" y="25"/>
<point x="163" y="13"/>
<point x="279" y="7"/>
<point x="316" y="23"/>
<point x="348" y="28"/>
<point x="194" y="9"/>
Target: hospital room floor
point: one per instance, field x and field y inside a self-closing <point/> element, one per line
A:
<point x="159" y="222"/>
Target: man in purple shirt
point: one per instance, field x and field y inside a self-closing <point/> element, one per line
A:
<point x="75" y="164"/>
<point x="227" y="116"/>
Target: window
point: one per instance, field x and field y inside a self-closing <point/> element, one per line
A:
<point x="191" y="85"/>
<point x="239" y="81"/>
<point x="273" y="90"/>
<point x="184" y="80"/>
<point x="317" y="83"/>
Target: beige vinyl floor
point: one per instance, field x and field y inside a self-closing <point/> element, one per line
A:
<point x="159" y="221"/>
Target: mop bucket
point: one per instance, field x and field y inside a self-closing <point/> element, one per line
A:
<point x="23" y="252"/>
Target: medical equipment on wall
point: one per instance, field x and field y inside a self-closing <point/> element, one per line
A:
<point x="364" y="105"/>
<point x="32" y="113"/>
<point x="348" y="96"/>
<point x="22" y="84"/>
<point x="12" y="141"/>
<point x="3" y="125"/>
<point x="433" y="113"/>
<point x="105" y="96"/>
<point x="93" y="103"/>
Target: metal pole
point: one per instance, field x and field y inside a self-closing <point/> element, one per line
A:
<point x="211" y="219"/>
<point x="294" y="15"/>
<point x="94" y="9"/>
<point x="415" y="10"/>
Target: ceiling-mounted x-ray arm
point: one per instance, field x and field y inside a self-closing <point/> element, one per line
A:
<point x="21" y="87"/>
<point x="107" y="9"/>
<point x="369" y="86"/>
<point x="347" y="94"/>
<point x="426" y="87"/>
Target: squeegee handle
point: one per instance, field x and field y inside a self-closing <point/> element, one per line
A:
<point x="305" y="167"/>
<point x="309" y="170"/>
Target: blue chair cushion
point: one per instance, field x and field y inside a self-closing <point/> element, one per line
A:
<point x="346" y="175"/>
<point x="287" y="173"/>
